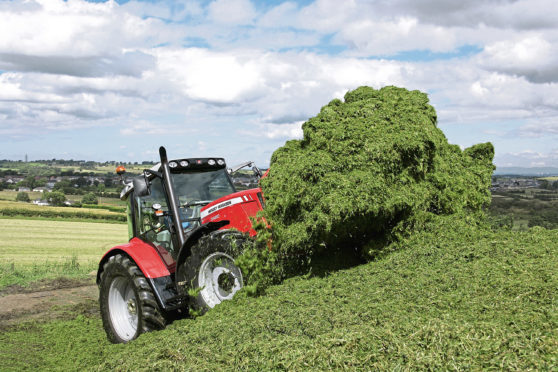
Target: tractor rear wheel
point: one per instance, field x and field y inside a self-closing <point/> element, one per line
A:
<point x="211" y="275"/>
<point x="128" y="306"/>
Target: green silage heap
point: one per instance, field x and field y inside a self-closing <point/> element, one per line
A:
<point x="368" y="169"/>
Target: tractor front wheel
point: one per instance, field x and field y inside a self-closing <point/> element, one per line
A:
<point x="128" y="306"/>
<point x="211" y="275"/>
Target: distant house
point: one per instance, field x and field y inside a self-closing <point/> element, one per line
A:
<point x="40" y="202"/>
<point x="26" y="189"/>
<point x="39" y="189"/>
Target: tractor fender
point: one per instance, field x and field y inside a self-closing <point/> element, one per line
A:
<point x="144" y="255"/>
<point x="194" y="236"/>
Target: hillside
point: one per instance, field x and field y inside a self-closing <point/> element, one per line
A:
<point x="454" y="296"/>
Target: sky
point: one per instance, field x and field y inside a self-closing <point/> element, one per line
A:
<point x="114" y="80"/>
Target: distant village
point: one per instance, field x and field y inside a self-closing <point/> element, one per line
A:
<point x="503" y="183"/>
<point x="83" y="178"/>
<point x="14" y="176"/>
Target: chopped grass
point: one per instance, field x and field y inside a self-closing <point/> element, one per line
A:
<point x="452" y="297"/>
<point x="367" y="170"/>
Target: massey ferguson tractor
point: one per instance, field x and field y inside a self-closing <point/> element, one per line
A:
<point x="186" y="224"/>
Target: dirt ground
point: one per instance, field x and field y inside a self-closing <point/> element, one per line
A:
<point x="46" y="300"/>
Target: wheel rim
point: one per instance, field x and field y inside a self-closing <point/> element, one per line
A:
<point x="219" y="278"/>
<point x="123" y="308"/>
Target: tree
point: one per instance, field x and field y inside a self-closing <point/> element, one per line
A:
<point x="55" y="198"/>
<point x="30" y="182"/>
<point x="90" y="198"/>
<point x="81" y="182"/>
<point x="62" y="185"/>
<point x="65" y="186"/>
<point x="22" y="197"/>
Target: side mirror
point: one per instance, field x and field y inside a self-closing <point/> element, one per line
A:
<point x="141" y="188"/>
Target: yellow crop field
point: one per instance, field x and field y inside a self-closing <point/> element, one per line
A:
<point x="38" y="241"/>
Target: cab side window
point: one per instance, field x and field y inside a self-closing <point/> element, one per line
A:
<point x="152" y="228"/>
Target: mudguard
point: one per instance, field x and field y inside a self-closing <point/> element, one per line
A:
<point x="195" y="236"/>
<point x="144" y="255"/>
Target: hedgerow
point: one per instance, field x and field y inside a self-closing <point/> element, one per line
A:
<point x="367" y="171"/>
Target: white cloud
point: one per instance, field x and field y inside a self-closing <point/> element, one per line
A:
<point x="208" y="76"/>
<point x="529" y="158"/>
<point x="73" y="28"/>
<point x="232" y="11"/>
<point x="368" y="37"/>
<point x="74" y="64"/>
<point x="532" y="57"/>
<point x="278" y="131"/>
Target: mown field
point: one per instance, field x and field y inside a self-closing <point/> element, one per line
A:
<point x="10" y="195"/>
<point x="454" y="297"/>
<point x="38" y="249"/>
<point x="10" y="209"/>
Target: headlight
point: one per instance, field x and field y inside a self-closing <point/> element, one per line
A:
<point x="211" y="162"/>
<point x="183" y="163"/>
<point x="173" y="164"/>
<point x="221" y="162"/>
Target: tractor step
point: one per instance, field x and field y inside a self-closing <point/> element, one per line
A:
<point x="176" y="302"/>
<point x="167" y="295"/>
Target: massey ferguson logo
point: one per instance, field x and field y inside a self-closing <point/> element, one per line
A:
<point x="220" y="206"/>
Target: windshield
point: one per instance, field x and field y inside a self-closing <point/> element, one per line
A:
<point x="201" y="186"/>
<point x="189" y="188"/>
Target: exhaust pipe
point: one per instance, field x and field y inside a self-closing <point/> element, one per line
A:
<point x="173" y="202"/>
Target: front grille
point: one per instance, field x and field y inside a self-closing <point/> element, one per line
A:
<point x="260" y="197"/>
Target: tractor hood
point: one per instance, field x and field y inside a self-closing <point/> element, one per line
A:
<point x="236" y="208"/>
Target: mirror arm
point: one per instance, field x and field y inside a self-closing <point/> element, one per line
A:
<point x="152" y="172"/>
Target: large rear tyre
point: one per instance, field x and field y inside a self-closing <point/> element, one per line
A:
<point x="210" y="273"/>
<point x="128" y="306"/>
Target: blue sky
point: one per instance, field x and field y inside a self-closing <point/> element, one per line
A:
<point x="105" y="80"/>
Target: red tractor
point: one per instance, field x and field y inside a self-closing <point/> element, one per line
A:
<point x="186" y="223"/>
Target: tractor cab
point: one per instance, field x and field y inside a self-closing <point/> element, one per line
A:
<point x="195" y="183"/>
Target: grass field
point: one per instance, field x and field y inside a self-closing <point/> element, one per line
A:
<point x="10" y="195"/>
<point x="14" y="209"/>
<point x="37" y="167"/>
<point x="454" y="297"/>
<point x="37" y="249"/>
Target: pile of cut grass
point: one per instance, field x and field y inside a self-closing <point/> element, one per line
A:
<point x="369" y="169"/>
<point x="455" y="296"/>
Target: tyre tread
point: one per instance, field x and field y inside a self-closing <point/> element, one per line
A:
<point x="152" y="317"/>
